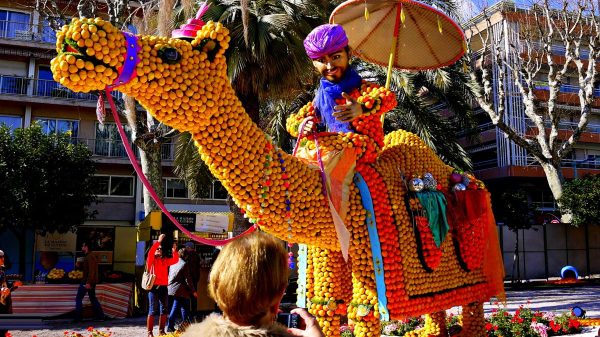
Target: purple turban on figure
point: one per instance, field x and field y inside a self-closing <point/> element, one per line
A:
<point x="324" y="40"/>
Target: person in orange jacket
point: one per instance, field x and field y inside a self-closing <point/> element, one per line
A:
<point x="158" y="296"/>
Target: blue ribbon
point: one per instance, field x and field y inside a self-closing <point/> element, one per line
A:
<point x="302" y="266"/>
<point x="367" y="202"/>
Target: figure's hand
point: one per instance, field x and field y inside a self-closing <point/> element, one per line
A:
<point x="349" y="111"/>
<point x="309" y="126"/>
<point x="309" y="325"/>
<point x="195" y="294"/>
<point x="161" y="237"/>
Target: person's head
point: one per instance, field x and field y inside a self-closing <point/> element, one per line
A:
<point x="183" y="254"/>
<point x="85" y="247"/>
<point x="158" y="252"/>
<point x="189" y="246"/>
<point x="1" y="258"/>
<point x="249" y="277"/>
<point x="327" y="47"/>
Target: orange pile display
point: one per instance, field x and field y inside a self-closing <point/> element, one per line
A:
<point x="184" y="84"/>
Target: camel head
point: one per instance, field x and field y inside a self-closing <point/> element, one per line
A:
<point x="182" y="81"/>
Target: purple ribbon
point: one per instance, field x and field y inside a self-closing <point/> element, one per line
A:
<point x="127" y="71"/>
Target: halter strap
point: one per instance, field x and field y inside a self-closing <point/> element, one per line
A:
<point x="131" y="59"/>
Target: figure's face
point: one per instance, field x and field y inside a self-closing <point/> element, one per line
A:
<point x="158" y="252"/>
<point x="85" y="249"/>
<point x="333" y="66"/>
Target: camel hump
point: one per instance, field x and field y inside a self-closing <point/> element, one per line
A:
<point x="402" y="138"/>
<point x="409" y="154"/>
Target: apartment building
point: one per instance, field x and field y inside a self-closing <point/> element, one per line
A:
<point x="502" y="164"/>
<point x="28" y="95"/>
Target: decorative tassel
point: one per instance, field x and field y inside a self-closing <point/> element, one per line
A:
<point x="291" y="263"/>
<point x="100" y="108"/>
<point x="402" y="14"/>
<point x="439" y="22"/>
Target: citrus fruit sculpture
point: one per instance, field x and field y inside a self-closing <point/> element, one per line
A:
<point x="183" y="83"/>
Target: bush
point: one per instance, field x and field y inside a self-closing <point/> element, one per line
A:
<point x="528" y="323"/>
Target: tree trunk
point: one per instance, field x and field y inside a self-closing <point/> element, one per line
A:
<point x="150" y="157"/>
<point x="516" y="259"/>
<point x="22" y="238"/>
<point x="240" y="223"/>
<point x="555" y="182"/>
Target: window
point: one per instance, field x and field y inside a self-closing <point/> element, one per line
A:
<point x="108" y="141"/>
<point x="45" y="85"/>
<point x="12" y="122"/>
<point x="219" y="192"/>
<point x="15" y="25"/>
<point x="113" y="186"/>
<point x="50" y="126"/>
<point x="175" y="188"/>
<point x="47" y="33"/>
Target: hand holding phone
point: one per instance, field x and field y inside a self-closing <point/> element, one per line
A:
<point x="288" y="319"/>
<point x="308" y="325"/>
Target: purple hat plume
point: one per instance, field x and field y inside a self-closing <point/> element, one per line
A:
<point x="324" y="40"/>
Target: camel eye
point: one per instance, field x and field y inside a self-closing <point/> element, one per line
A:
<point x="169" y="55"/>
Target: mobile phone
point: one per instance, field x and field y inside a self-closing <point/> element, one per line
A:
<point x="288" y="319"/>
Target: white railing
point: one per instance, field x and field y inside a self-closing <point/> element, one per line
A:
<point x="568" y="126"/>
<point x="18" y="85"/>
<point x="15" y="30"/>
<point x="566" y="88"/>
<point x="485" y="164"/>
<point x="113" y="148"/>
<point x="555" y="49"/>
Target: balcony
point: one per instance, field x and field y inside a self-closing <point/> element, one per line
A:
<point x="566" y="126"/>
<point x="114" y="149"/>
<point x="564" y="88"/>
<point x="20" y="31"/>
<point x="46" y="89"/>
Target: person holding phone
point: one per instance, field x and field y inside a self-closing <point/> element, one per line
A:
<point x="248" y="281"/>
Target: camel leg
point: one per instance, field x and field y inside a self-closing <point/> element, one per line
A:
<point x="435" y="326"/>
<point x="329" y="289"/>
<point x="473" y="321"/>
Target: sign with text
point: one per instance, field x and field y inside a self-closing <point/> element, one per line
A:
<point x="212" y="223"/>
<point x="187" y="220"/>
<point x="56" y="242"/>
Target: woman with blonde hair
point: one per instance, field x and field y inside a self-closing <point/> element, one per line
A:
<point x="248" y="281"/>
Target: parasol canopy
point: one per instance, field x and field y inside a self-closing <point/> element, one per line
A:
<point x="403" y="34"/>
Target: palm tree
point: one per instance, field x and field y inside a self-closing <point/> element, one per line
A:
<point x="266" y="58"/>
<point x="273" y="77"/>
<point x="266" y="61"/>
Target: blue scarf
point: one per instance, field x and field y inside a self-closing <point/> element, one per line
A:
<point x="327" y="94"/>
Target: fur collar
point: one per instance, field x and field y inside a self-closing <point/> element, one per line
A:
<point x="216" y="326"/>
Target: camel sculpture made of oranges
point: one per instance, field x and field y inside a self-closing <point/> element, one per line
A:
<point x="183" y="83"/>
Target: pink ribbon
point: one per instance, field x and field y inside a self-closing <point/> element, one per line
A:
<point x="148" y="186"/>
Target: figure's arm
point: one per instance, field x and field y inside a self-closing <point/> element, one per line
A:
<point x="174" y="256"/>
<point x="293" y="122"/>
<point x="150" y="259"/>
<point x="375" y="99"/>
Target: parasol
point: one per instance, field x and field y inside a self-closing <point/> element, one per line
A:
<point x="403" y="34"/>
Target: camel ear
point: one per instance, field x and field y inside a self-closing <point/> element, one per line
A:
<point x="209" y="46"/>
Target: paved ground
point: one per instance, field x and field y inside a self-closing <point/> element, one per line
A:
<point x="545" y="299"/>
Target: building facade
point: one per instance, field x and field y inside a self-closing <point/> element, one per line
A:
<point x="28" y="95"/>
<point x="502" y="164"/>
